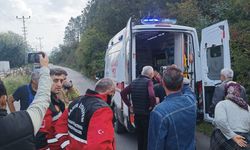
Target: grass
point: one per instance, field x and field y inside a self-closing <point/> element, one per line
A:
<point x="13" y="82"/>
<point x="205" y="128"/>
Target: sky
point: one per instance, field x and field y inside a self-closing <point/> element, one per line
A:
<point x="48" y="19"/>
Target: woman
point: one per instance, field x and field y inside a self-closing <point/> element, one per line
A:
<point x="232" y="121"/>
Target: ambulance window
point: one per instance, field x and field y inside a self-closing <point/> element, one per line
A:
<point x="215" y="51"/>
<point x="215" y="61"/>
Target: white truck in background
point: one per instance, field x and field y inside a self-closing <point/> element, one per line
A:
<point x="160" y="44"/>
<point x="4" y="66"/>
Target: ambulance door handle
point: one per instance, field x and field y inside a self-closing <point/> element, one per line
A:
<point x="206" y="70"/>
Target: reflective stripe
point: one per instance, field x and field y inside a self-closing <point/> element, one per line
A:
<point x="52" y="140"/>
<point x="58" y="136"/>
<point x="64" y="144"/>
<point x="77" y="138"/>
<point x="56" y="116"/>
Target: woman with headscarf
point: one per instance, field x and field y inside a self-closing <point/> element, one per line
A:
<point x="232" y="121"/>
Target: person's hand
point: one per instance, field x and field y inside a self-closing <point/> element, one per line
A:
<point x="131" y="109"/>
<point x="150" y="108"/>
<point x="186" y="81"/>
<point x="240" y="140"/>
<point x="3" y="102"/>
<point x="44" y="61"/>
<point x="157" y="100"/>
<point x="67" y="84"/>
<point x="191" y="58"/>
<point x="174" y="65"/>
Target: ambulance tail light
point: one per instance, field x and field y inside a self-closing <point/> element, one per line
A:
<point x="132" y="118"/>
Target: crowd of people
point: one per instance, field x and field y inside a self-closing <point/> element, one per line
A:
<point x="53" y="115"/>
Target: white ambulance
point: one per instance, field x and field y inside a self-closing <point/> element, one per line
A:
<point x="157" y="43"/>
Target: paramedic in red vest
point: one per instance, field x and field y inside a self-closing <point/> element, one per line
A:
<point x="25" y="94"/>
<point x="87" y="124"/>
<point x="17" y="129"/>
<point x="45" y="138"/>
<point x="143" y="100"/>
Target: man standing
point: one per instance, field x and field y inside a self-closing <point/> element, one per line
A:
<point x="45" y="138"/>
<point x="219" y="91"/>
<point x="88" y="121"/>
<point x="172" y="122"/>
<point x="143" y="100"/>
<point x="25" y="94"/>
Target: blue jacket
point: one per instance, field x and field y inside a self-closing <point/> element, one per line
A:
<point x="172" y="122"/>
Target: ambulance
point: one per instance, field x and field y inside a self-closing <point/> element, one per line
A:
<point x="158" y="43"/>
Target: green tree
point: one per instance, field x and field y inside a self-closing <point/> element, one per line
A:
<point x="240" y="52"/>
<point x="102" y="19"/>
<point x="13" y="49"/>
<point x="90" y="53"/>
<point x="73" y="30"/>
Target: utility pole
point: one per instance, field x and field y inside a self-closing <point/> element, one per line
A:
<point x="24" y="27"/>
<point x="40" y="42"/>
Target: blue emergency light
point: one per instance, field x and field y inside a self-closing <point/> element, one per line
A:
<point x="158" y="21"/>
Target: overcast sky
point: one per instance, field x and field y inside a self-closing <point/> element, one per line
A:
<point x="48" y="19"/>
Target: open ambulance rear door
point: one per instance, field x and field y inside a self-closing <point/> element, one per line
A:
<point x="130" y="70"/>
<point x="123" y="118"/>
<point x="215" y="55"/>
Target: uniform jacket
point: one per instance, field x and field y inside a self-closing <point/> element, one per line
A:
<point x="45" y="138"/>
<point x="87" y="124"/>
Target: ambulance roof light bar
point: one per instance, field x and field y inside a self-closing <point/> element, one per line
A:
<point x="158" y="21"/>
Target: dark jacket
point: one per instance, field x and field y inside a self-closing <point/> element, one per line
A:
<point x="159" y="91"/>
<point x="140" y="96"/>
<point x="3" y="113"/>
<point x="16" y="132"/>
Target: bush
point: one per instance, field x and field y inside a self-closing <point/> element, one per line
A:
<point x="205" y="127"/>
<point x="13" y="82"/>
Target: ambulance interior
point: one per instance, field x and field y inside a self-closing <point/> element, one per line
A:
<point x="161" y="48"/>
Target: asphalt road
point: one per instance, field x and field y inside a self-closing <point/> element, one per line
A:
<point x="125" y="141"/>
